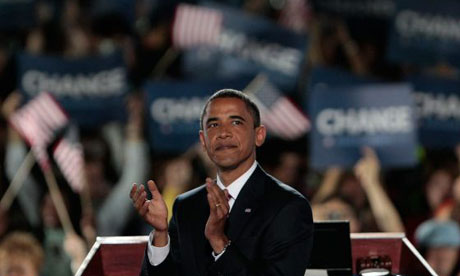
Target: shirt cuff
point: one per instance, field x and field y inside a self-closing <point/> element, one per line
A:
<point x="216" y="257"/>
<point x="157" y="255"/>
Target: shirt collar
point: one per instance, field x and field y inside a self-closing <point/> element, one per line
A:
<point x="235" y="187"/>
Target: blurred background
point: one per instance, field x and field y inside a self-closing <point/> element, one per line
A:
<point x="361" y="99"/>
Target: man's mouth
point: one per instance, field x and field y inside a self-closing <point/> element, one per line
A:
<point x="225" y="147"/>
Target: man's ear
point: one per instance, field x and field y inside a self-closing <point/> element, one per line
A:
<point x="202" y="142"/>
<point x="261" y="133"/>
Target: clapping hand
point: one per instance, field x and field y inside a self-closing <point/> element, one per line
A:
<point x="154" y="211"/>
<point x="219" y="210"/>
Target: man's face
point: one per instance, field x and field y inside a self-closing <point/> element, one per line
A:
<point x="228" y="134"/>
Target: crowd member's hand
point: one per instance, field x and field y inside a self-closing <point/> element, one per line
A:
<point x="385" y="213"/>
<point x="219" y="210"/>
<point x="367" y="169"/>
<point x="75" y="247"/>
<point x="352" y="52"/>
<point x="10" y="104"/>
<point x="328" y="185"/>
<point x="88" y="227"/>
<point x="153" y="211"/>
<point x="135" y="109"/>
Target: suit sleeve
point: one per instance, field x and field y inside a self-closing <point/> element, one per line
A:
<point x="171" y="265"/>
<point x="285" y="246"/>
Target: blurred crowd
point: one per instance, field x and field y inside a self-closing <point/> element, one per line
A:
<point x="422" y="201"/>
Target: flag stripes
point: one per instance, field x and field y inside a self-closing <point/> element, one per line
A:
<point x="281" y="117"/>
<point x="69" y="158"/>
<point x="195" y="25"/>
<point x="37" y="122"/>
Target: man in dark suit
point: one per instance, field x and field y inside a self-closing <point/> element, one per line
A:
<point x="244" y="223"/>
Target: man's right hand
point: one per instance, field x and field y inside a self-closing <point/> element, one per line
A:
<point x="154" y="211"/>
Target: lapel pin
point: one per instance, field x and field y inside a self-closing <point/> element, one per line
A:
<point x="247" y="210"/>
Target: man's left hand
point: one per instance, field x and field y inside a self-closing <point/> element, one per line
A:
<point x="219" y="210"/>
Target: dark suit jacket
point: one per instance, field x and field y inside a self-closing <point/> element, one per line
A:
<point x="270" y="226"/>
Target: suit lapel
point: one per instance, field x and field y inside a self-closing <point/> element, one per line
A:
<point x="246" y="204"/>
<point x="197" y="222"/>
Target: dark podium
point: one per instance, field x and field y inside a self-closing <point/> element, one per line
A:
<point x="122" y="256"/>
<point x="114" y="256"/>
<point x="405" y="259"/>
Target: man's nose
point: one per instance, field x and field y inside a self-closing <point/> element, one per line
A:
<point x="225" y="132"/>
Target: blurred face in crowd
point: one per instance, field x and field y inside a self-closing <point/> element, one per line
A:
<point x="17" y="266"/>
<point x="337" y="209"/>
<point x="442" y="259"/>
<point x="49" y="214"/>
<point x="456" y="189"/>
<point x="96" y="152"/>
<point x="438" y="188"/>
<point x="288" y="169"/>
<point x="229" y="135"/>
<point x="94" y="171"/>
<point x="329" y="46"/>
<point x="351" y="189"/>
<point x="20" y="255"/>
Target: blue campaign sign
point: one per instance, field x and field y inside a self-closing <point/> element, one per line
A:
<point x="438" y="110"/>
<point x="364" y="18"/>
<point x="331" y="76"/>
<point x="248" y="45"/>
<point x="425" y="32"/>
<point x="174" y="110"/>
<point x="91" y="89"/>
<point x="368" y="9"/>
<point x="346" y="118"/>
<point x="17" y="14"/>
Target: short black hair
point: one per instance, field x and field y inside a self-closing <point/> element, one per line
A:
<point x="232" y="93"/>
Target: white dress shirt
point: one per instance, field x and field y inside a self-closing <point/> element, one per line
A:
<point x="157" y="255"/>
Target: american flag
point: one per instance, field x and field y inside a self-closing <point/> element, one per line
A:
<point x="37" y="122"/>
<point x="68" y="155"/>
<point x="281" y="117"/>
<point x="196" y="25"/>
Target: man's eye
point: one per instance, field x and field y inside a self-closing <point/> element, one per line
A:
<point x="237" y="122"/>
<point x="212" y="125"/>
